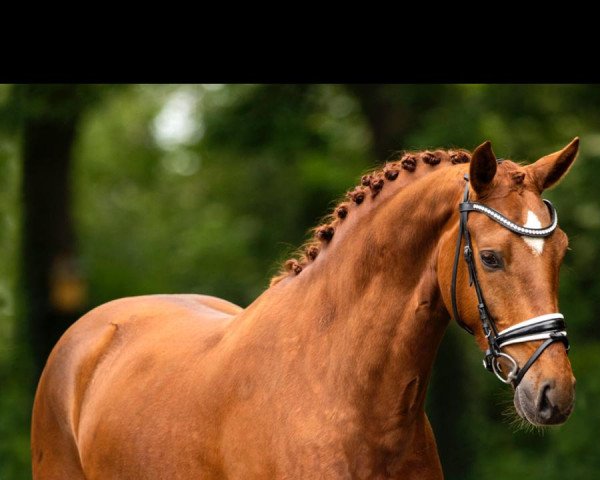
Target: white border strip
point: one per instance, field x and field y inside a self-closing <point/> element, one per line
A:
<point x="531" y="338"/>
<point x="532" y="321"/>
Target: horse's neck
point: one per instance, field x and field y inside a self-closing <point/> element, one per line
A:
<point x="366" y="319"/>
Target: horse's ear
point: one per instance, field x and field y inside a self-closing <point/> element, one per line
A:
<point x="483" y="168"/>
<point x="548" y="170"/>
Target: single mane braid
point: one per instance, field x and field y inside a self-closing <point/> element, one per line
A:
<point x="403" y="170"/>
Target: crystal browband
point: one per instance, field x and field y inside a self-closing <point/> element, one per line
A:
<point x="510" y="225"/>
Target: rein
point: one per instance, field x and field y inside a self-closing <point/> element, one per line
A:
<point x="550" y="327"/>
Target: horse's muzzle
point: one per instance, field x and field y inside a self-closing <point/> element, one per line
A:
<point x="546" y="403"/>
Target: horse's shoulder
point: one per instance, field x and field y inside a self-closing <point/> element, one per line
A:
<point x="134" y="337"/>
<point x="127" y="321"/>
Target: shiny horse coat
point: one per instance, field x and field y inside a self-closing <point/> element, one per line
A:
<point x="325" y="374"/>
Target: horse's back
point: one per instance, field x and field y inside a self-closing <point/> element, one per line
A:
<point x="108" y="372"/>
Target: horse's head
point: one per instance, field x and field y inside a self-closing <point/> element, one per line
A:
<point x="517" y="277"/>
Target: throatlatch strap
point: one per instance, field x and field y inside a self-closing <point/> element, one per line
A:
<point x="455" y="313"/>
<point x="461" y="232"/>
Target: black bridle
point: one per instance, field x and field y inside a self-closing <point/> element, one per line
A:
<point x="549" y="327"/>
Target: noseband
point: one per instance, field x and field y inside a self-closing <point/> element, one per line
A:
<point x="550" y="327"/>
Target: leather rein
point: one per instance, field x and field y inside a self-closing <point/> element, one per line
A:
<point x="550" y="327"/>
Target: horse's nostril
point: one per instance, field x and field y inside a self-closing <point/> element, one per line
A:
<point x="545" y="406"/>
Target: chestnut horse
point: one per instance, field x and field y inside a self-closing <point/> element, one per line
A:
<point x="325" y="374"/>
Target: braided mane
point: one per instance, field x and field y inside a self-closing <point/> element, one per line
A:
<point x="415" y="165"/>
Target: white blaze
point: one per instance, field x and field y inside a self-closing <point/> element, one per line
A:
<point x="536" y="244"/>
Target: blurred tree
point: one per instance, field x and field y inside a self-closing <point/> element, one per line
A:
<point x="54" y="286"/>
<point x="393" y="112"/>
<point x="16" y="380"/>
<point x="206" y="188"/>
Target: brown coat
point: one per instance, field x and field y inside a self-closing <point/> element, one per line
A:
<point x="323" y="376"/>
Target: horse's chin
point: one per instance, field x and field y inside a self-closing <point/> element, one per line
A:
<point x="523" y="410"/>
<point x="518" y="407"/>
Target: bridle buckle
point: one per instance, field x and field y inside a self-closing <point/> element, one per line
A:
<point x="497" y="368"/>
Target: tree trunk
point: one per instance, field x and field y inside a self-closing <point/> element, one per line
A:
<point x="54" y="289"/>
<point x="395" y="111"/>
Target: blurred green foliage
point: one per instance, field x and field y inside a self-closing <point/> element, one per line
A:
<point x="207" y="188"/>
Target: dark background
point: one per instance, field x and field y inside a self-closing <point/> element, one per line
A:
<point x="110" y="191"/>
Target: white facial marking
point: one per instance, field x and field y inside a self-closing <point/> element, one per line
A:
<point x="536" y="244"/>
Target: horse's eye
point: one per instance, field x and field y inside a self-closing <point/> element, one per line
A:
<point x="491" y="259"/>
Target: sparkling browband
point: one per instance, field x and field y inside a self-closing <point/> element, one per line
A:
<point x="510" y="225"/>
